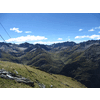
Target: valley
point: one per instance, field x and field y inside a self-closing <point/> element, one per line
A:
<point x="80" y="61"/>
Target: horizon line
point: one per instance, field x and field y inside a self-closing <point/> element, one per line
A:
<point x="49" y="44"/>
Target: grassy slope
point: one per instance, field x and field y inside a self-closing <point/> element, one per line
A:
<point x="58" y="81"/>
<point x="43" y="60"/>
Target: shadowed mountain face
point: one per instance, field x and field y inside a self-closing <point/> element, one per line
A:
<point x="80" y="61"/>
<point x="86" y="67"/>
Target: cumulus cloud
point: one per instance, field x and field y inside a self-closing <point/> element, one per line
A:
<point x="80" y="29"/>
<point x="16" y="30"/>
<point x="87" y="36"/>
<point x="91" y="30"/>
<point x="95" y="37"/>
<point x="79" y="37"/>
<point x="28" y="32"/>
<point x="26" y="38"/>
<point x="59" y="38"/>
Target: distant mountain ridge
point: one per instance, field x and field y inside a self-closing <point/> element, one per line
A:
<point x="55" y="45"/>
<point x="78" y="60"/>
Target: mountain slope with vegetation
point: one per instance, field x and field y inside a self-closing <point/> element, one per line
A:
<point x="77" y="60"/>
<point x="86" y="67"/>
<point x="37" y="76"/>
<point x="42" y="60"/>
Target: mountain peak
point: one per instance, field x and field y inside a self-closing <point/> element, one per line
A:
<point x="26" y="44"/>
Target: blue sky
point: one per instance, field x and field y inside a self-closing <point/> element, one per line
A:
<point x="49" y="28"/>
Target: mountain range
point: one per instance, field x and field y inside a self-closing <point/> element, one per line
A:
<point x="80" y="61"/>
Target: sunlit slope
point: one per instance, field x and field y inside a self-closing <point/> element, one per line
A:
<point x="43" y="60"/>
<point x="54" y="80"/>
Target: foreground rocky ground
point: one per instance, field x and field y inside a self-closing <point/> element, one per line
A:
<point x="13" y="75"/>
<point x="8" y="75"/>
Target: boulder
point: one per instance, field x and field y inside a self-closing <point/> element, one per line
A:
<point x="8" y="75"/>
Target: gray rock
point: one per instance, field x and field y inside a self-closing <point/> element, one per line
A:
<point x="16" y="71"/>
<point x="3" y="76"/>
<point x="41" y="85"/>
<point x="8" y="75"/>
<point x="51" y="86"/>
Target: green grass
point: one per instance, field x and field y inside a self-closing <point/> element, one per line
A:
<point x="6" y="83"/>
<point x="58" y="81"/>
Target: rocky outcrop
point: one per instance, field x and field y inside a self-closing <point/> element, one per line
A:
<point x="8" y="75"/>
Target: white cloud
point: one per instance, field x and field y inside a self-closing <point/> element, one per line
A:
<point x="79" y="37"/>
<point x="95" y="37"/>
<point x="68" y="39"/>
<point x="28" y="32"/>
<point x="80" y="29"/>
<point x="87" y="36"/>
<point x="91" y="30"/>
<point x="59" y="38"/>
<point x="26" y="38"/>
<point x="99" y="32"/>
<point x="97" y="27"/>
<point x="48" y="42"/>
<point x="16" y="30"/>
